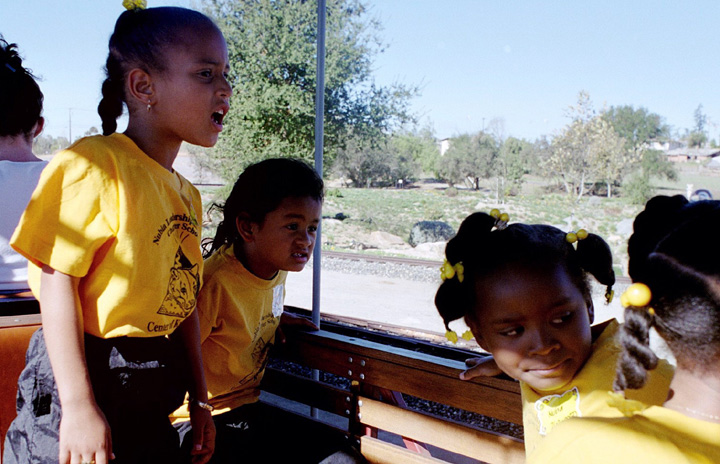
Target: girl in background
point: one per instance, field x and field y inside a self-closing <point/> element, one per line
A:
<point x="21" y="104"/>
<point x="523" y="291"/>
<point x="269" y="227"/>
<point x="113" y="238"/>
<point x="675" y="264"/>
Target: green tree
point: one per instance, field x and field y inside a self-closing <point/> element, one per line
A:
<point x="47" y="144"/>
<point x="638" y="127"/>
<point x="419" y="146"/>
<point x="513" y="164"/>
<point x="698" y="136"/>
<point x="588" y="150"/>
<point x="469" y="159"/>
<point x="272" y="48"/>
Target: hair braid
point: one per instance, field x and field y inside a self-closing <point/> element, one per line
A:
<point x="111" y="105"/>
<point x="637" y="357"/>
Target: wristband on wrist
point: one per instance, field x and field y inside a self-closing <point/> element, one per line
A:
<point x="200" y="404"/>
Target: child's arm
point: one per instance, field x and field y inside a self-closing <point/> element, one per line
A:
<point x="292" y="322"/>
<point x="201" y="419"/>
<point x="480" y="367"/>
<point x="84" y="432"/>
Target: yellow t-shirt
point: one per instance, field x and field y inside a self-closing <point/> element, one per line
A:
<point x="656" y="435"/>
<point x="239" y="313"/>
<point x="106" y="212"/>
<point x="587" y="394"/>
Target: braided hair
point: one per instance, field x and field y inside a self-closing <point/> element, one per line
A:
<point x="259" y="190"/>
<point x="668" y="254"/>
<point x="485" y="252"/>
<point x="21" y="100"/>
<point x="140" y="38"/>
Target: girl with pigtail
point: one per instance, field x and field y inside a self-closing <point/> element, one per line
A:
<point x="112" y="236"/>
<point x="269" y="228"/>
<point x="675" y="266"/>
<point x="523" y="291"/>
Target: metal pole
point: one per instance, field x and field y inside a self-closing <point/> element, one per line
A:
<point x="319" y="132"/>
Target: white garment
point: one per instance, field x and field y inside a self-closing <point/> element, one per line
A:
<point x="17" y="183"/>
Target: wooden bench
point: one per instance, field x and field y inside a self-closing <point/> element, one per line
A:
<point x="370" y="415"/>
<point x="372" y="367"/>
<point x="19" y="319"/>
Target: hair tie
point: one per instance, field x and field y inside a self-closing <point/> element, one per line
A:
<point x="452" y="335"/>
<point x="7" y="65"/>
<point x="448" y="271"/>
<point x="501" y="219"/>
<point x="572" y="237"/>
<point x="637" y="295"/>
<point x="133" y="5"/>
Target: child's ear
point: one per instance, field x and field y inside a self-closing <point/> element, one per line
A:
<point x="245" y="227"/>
<point x="591" y="310"/>
<point x="140" y="89"/>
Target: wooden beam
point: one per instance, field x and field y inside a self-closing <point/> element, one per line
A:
<point x="381" y="452"/>
<point x="417" y="374"/>
<point x="307" y="391"/>
<point x="482" y="445"/>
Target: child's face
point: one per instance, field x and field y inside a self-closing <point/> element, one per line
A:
<point x="535" y="323"/>
<point x="192" y="94"/>
<point x="286" y="238"/>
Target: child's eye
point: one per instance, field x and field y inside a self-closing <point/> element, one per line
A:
<point x="312" y="228"/>
<point x="512" y="331"/>
<point x="292" y="226"/>
<point x="563" y="318"/>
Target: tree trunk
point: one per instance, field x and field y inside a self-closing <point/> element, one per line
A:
<point x="609" y="187"/>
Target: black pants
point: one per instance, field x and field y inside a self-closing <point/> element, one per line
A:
<point x="137" y="382"/>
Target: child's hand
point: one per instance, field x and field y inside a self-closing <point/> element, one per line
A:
<point x="84" y="435"/>
<point x="480" y="367"/>
<point x="203" y="433"/>
<point x="293" y="322"/>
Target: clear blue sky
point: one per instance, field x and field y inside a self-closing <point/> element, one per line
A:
<point x="475" y="60"/>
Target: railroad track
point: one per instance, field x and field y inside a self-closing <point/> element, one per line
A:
<point x="620" y="280"/>
<point x="381" y="259"/>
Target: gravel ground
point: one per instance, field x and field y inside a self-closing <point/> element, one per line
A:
<point x="413" y="272"/>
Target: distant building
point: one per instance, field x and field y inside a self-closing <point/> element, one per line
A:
<point x="444" y="144"/>
<point x="685" y="154"/>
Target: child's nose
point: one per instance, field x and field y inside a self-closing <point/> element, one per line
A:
<point x="305" y="237"/>
<point x="543" y="343"/>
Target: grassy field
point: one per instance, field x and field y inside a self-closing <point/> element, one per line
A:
<point x="395" y="211"/>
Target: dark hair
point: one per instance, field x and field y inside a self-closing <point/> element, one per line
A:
<point x="673" y="250"/>
<point x="484" y="252"/>
<point x="259" y="190"/>
<point x="139" y="40"/>
<point x="21" y="100"/>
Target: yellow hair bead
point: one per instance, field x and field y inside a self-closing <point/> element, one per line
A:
<point x="134" y="4"/>
<point x="467" y="335"/>
<point x="504" y="217"/>
<point x="460" y="271"/>
<point x="447" y="271"/>
<point x="571" y="237"/>
<point x="638" y="295"/>
<point x="609" y="295"/>
<point x="651" y="311"/>
<point x="581" y="234"/>
<point x="451" y="335"/>
<point x="495" y="213"/>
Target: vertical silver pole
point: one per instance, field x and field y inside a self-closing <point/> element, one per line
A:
<point x="319" y="132"/>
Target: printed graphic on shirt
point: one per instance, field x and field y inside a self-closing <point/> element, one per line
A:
<point x="182" y="289"/>
<point x="262" y="349"/>
<point x="553" y="409"/>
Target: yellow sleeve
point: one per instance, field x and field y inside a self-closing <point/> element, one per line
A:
<point x="72" y="214"/>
